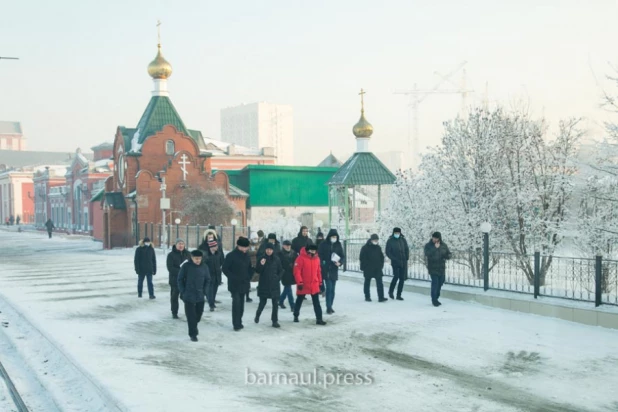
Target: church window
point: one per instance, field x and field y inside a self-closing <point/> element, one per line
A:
<point x="169" y="148"/>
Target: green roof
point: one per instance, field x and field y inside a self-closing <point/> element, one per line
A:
<point x="98" y="196"/>
<point x="159" y="112"/>
<point x="363" y="168"/>
<point x="236" y="192"/>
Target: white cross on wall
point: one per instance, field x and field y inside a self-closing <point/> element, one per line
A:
<point x="183" y="166"/>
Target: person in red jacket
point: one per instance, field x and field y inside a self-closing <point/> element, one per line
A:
<point x="308" y="276"/>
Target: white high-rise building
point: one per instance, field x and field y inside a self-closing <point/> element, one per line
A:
<point x="258" y="125"/>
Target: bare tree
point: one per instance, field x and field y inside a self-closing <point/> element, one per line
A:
<point x="212" y="206"/>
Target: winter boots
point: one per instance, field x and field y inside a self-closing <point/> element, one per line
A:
<point x="320" y="322"/>
<point x="383" y="299"/>
<point x="367" y="299"/>
<point x="276" y="325"/>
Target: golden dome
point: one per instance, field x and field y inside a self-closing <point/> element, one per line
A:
<point x="159" y="68"/>
<point x="362" y="128"/>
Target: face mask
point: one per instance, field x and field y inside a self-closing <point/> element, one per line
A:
<point x="333" y="239"/>
<point x="311" y="253"/>
<point x="147" y="244"/>
<point x="375" y="242"/>
<point x="396" y="236"/>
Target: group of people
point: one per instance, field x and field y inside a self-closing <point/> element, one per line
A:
<point x="11" y="220"/>
<point x="194" y="277"/>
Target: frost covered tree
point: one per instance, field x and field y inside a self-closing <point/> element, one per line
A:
<point x="204" y="207"/>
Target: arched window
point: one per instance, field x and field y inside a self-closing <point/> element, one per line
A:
<point x="169" y="148"/>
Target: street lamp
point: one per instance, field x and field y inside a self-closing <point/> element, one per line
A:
<point x="485" y="228"/>
<point x="177" y="221"/>
<point x="234" y="222"/>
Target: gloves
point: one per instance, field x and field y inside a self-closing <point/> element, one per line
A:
<point x="299" y="287"/>
<point x="322" y="288"/>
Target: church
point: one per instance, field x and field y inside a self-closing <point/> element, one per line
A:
<point x="159" y="154"/>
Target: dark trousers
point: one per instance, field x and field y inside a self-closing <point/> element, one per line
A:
<point x="399" y="276"/>
<point x="140" y="284"/>
<point x="436" y="286"/>
<point x="174" y="293"/>
<point x="262" y="305"/>
<point x="316" y="306"/>
<point x="49" y="232"/>
<point x="194" y="312"/>
<point x="379" y="287"/>
<point x="238" y="308"/>
<point x="330" y="293"/>
<point x="287" y="293"/>
<point x="213" y="287"/>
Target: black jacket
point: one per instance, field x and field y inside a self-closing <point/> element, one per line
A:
<point x="436" y="258"/>
<point x="237" y="268"/>
<point x="193" y="281"/>
<point x="300" y="242"/>
<point x="398" y="251"/>
<point x="215" y="263"/>
<point x="371" y="260"/>
<point x="270" y="277"/>
<point x="174" y="259"/>
<point x="262" y="249"/>
<point x="329" y="270"/>
<point x="49" y="225"/>
<point x="287" y="262"/>
<point x="145" y="260"/>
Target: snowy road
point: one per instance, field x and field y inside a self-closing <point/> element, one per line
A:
<point x="127" y="353"/>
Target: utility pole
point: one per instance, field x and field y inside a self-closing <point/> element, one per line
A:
<point x="165" y="205"/>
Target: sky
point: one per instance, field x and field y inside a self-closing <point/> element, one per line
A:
<point x="82" y="68"/>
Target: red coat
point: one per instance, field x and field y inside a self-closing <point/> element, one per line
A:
<point x="308" y="272"/>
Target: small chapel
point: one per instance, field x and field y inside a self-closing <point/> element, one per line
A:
<point x="159" y="153"/>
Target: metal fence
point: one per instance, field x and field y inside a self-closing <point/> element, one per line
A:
<point x="192" y="235"/>
<point x="582" y="279"/>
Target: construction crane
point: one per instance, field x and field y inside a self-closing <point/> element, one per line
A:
<point x="418" y="96"/>
<point x="9" y="58"/>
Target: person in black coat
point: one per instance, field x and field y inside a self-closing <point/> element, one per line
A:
<point x="214" y="261"/>
<point x="49" y="225"/>
<point x="175" y="258"/>
<point x="319" y="238"/>
<point x="193" y="280"/>
<point x="270" y="270"/>
<point x="302" y="240"/>
<point x="145" y="262"/>
<point x="371" y="264"/>
<point x="398" y="252"/>
<point x="436" y="253"/>
<point x="287" y="257"/>
<point x="237" y="268"/>
<point x="330" y="265"/>
<point x="272" y="239"/>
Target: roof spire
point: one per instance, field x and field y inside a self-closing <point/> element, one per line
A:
<point x="362" y="129"/>
<point x="362" y="95"/>
<point x="159" y="69"/>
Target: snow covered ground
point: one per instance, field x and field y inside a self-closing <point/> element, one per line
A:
<point x="75" y="305"/>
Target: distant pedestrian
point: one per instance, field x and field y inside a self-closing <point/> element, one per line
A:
<point x="214" y="260"/>
<point x="17" y="220"/>
<point x="308" y="276"/>
<point x="269" y="287"/>
<point x="193" y="280"/>
<point x="50" y="227"/>
<point x="319" y="238"/>
<point x="6" y="221"/>
<point x="398" y="252"/>
<point x="332" y="258"/>
<point x="371" y="264"/>
<point x="287" y="257"/>
<point x="252" y="252"/>
<point x="260" y="236"/>
<point x="437" y="253"/>
<point x="145" y="266"/>
<point x="11" y="220"/>
<point x="237" y="268"/>
<point x="175" y="258"/>
<point x="301" y="240"/>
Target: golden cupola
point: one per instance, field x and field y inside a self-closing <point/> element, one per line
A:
<point x="159" y="68"/>
<point x="362" y="129"/>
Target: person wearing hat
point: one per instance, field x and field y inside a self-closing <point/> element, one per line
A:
<point x="237" y="268"/>
<point x="145" y="262"/>
<point x="272" y="239"/>
<point x="287" y="257"/>
<point x="398" y="252"/>
<point x="270" y="270"/>
<point x="437" y="253"/>
<point x="254" y="246"/>
<point x="371" y="264"/>
<point x="301" y="240"/>
<point x="214" y="260"/>
<point x="193" y="280"/>
<point x="333" y="257"/>
<point x="319" y="238"/>
<point x="175" y="258"/>
<point x="308" y="276"/>
<point x="260" y="236"/>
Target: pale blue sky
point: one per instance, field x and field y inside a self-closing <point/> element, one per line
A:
<point x="83" y="63"/>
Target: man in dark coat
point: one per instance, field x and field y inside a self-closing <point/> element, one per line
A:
<point x="193" y="280"/>
<point x="287" y="257"/>
<point x="398" y="252"/>
<point x="331" y="257"/>
<point x="214" y="261"/>
<point x="50" y="227"/>
<point x="270" y="270"/>
<point x="145" y="266"/>
<point x="371" y="264"/>
<point x="237" y="268"/>
<point x="301" y="240"/>
<point x="272" y="239"/>
<point x="436" y="253"/>
<point x="175" y="258"/>
<point x="319" y="238"/>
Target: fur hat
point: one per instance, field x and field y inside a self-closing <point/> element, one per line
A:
<point x="272" y="236"/>
<point x="197" y="253"/>
<point x="437" y="235"/>
<point x="243" y="242"/>
<point x="146" y="239"/>
<point x="269" y="246"/>
<point x="397" y="230"/>
<point x="311" y="247"/>
<point x="213" y="243"/>
<point x="374" y="237"/>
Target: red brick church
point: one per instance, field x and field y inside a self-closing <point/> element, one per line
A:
<point x="160" y="148"/>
